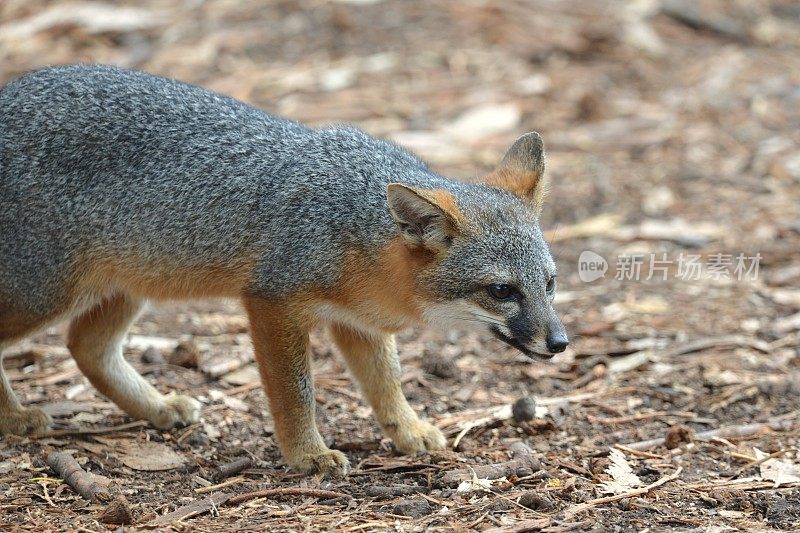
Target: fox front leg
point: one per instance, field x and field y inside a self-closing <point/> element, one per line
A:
<point x="374" y="362"/>
<point x="281" y="349"/>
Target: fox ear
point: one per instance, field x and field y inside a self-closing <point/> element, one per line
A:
<point x="426" y="217"/>
<point x="522" y="170"/>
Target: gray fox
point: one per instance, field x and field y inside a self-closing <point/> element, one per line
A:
<point x="118" y="187"/>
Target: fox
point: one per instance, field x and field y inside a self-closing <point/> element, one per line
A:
<point x="119" y="188"/>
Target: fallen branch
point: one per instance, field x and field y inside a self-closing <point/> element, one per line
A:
<point x="66" y="467"/>
<point x="219" y="486"/>
<point x="638" y="417"/>
<point x="227" y="470"/>
<point x="639" y="453"/>
<point x="724" y="341"/>
<point x="287" y="491"/>
<point x="740" y="484"/>
<point x="569" y="513"/>
<point x="727" y="432"/>
<point x="533" y="524"/>
<point x="688" y="14"/>
<point x="89" y="431"/>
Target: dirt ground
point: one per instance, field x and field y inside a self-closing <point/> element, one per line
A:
<point x="672" y="135"/>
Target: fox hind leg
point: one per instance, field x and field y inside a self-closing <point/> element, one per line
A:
<point x="95" y="341"/>
<point x="14" y="418"/>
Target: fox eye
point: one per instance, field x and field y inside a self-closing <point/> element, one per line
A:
<point x="501" y="291"/>
<point x="551" y="285"/>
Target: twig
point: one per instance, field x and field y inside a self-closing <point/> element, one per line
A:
<point x="212" y="488"/>
<point x="188" y="432"/>
<point x="89" y="431"/>
<point x="287" y="491"/>
<point x="243" y="388"/>
<point x="699" y="345"/>
<point x="47" y="494"/>
<point x="727" y="432"/>
<point x="638" y="453"/>
<point x="628" y="494"/>
<point x="742" y="456"/>
<point x="67" y="468"/>
<point x="231" y="469"/>
<point x="741" y="484"/>
<point x="521" y="526"/>
<point x="462" y="434"/>
<point x="638" y="417"/>
<point x="687" y="13"/>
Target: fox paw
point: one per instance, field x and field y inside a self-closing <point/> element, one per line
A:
<point x="417" y="436"/>
<point x="329" y="463"/>
<point x="176" y="411"/>
<point x="24" y="421"/>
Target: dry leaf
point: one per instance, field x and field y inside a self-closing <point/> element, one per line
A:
<point x="477" y="484"/>
<point x="622" y="477"/>
<point x="142" y="455"/>
<point x="778" y="471"/>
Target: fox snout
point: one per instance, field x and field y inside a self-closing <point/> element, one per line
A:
<point x="551" y="341"/>
<point x="556" y="339"/>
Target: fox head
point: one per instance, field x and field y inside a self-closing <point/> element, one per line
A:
<point x="491" y="267"/>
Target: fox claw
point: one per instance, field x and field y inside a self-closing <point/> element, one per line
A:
<point x="418" y="436"/>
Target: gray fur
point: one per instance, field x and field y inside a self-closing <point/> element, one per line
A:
<point x="125" y="164"/>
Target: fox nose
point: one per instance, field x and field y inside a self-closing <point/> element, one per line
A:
<point x="557" y="343"/>
<point x="556" y="339"/>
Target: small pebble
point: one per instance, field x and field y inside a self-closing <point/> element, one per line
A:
<point x="186" y="354"/>
<point x="536" y="502"/>
<point x="677" y="435"/>
<point x="439" y="366"/>
<point x="524" y="409"/>
<point x="152" y="356"/>
<point x="412" y="508"/>
<point x="501" y="505"/>
<point x="382" y="491"/>
<point x="117" y="512"/>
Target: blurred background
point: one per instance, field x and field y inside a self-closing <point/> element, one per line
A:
<point x="672" y="128"/>
<point x="667" y="122"/>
